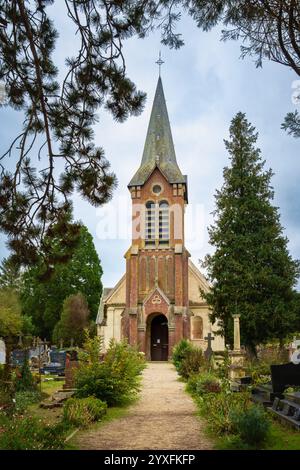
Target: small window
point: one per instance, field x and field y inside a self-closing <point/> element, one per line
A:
<point x="156" y="189"/>
<point x="150" y="223"/>
<point x="164" y="223"/>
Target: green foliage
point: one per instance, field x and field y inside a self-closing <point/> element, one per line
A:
<point x="115" y="379"/>
<point x="260" y="369"/>
<point x="223" y="366"/>
<point x="95" y="77"/>
<point x="6" y="398"/>
<point x="23" y="399"/>
<point x="180" y="351"/>
<point x="200" y="384"/>
<point x="92" y="348"/>
<point x="10" y="276"/>
<point x="218" y="409"/>
<point x="43" y="300"/>
<point x="192" y="363"/>
<point x="10" y="313"/>
<point x="30" y="433"/>
<point x="252" y="425"/>
<point x="292" y="124"/>
<point x="25" y="381"/>
<point x="73" y="321"/>
<point x="83" y="411"/>
<point x="251" y="270"/>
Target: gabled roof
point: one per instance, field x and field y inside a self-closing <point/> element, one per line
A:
<point x="203" y="282"/>
<point x="107" y="293"/>
<point x="159" y="148"/>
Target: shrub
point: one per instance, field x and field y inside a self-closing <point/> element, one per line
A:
<point x="219" y="408"/>
<point x="6" y="399"/>
<point x="252" y="425"/>
<point x="25" y="381"/>
<point x="25" y="399"/>
<point x="192" y="363"/>
<point x="180" y="351"/>
<point x="83" y="411"/>
<point x="115" y="379"/>
<point x="203" y="383"/>
<point x="29" y="433"/>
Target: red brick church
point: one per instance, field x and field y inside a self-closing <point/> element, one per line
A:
<point x="158" y="301"/>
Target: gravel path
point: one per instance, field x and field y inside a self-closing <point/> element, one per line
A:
<point x="163" y="418"/>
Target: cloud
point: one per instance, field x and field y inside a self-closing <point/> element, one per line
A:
<point x="205" y="84"/>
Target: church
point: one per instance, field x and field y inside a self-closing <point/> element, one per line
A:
<point x="158" y="300"/>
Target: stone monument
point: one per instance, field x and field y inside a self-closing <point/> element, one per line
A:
<point x="236" y="368"/>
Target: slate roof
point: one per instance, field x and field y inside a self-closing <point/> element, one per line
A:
<point x="159" y="148"/>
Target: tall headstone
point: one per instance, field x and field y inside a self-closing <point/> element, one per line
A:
<point x="236" y="368"/>
<point x="236" y="333"/>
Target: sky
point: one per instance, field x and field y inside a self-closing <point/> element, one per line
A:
<point x="205" y="84"/>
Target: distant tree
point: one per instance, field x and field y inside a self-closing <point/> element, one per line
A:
<point x="74" y="320"/>
<point x="10" y="323"/>
<point x="10" y="275"/>
<point x="251" y="270"/>
<point x="43" y="299"/>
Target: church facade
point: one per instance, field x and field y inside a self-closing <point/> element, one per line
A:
<point x="158" y="301"/>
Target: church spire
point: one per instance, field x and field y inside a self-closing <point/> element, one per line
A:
<point x="159" y="148"/>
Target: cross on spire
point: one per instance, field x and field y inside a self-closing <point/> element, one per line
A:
<point x="159" y="62"/>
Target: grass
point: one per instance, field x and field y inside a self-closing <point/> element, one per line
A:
<point x="52" y="415"/>
<point x="282" y="436"/>
<point x="51" y="386"/>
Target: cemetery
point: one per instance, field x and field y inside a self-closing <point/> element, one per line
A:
<point x="243" y="402"/>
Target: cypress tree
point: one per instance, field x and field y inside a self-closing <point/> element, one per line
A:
<point x="251" y="270"/>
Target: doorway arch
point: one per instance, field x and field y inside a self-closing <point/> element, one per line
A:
<point x="158" y="337"/>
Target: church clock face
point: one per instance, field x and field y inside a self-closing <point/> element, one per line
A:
<point x="156" y="189"/>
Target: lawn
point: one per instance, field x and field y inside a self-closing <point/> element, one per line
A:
<point x="282" y="437"/>
<point x="52" y="415"/>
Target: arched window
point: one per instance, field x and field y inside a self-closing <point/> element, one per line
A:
<point x="150" y="223"/>
<point x="197" y="328"/>
<point x="164" y="222"/>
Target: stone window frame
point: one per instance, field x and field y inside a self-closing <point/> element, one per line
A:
<point x="161" y="188"/>
<point x="196" y="337"/>
<point x="156" y="242"/>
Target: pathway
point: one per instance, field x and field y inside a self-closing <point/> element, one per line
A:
<point x="163" y="418"/>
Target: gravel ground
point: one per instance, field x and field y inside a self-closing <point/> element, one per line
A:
<point x="163" y="418"/>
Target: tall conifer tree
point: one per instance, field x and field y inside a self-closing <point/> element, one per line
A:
<point x="43" y="301"/>
<point x="252" y="272"/>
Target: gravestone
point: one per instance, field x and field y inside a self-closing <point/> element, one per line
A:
<point x="2" y="352"/>
<point x="208" y="352"/>
<point x="58" y="356"/>
<point x="18" y="357"/>
<point x="70" y="369"/>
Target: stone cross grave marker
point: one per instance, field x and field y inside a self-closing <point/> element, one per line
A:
<point x="208" y="353"/>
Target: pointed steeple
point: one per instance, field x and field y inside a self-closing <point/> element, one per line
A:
<point x="159" y="148"/>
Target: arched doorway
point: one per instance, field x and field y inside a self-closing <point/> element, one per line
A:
<point x="159" y="337"/>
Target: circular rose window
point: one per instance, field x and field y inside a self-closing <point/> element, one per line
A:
<point x="156" y="189"/>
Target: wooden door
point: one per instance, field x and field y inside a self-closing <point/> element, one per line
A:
<point x="159" y="338"/>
